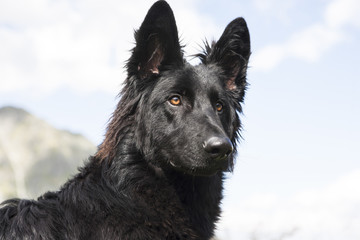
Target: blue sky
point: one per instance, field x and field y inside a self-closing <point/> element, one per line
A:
<point x="298" y="169"/>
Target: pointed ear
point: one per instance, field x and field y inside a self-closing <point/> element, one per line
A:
<point x="231" y="52"/>
<point x="157" y="43"/>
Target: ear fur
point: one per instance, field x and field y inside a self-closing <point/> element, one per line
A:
<point x="157" y="43"/>
<point x="231" y="52"/>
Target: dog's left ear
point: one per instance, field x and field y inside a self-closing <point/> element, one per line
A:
<point x="231" y="52"/>
<point x="157" y="43"/>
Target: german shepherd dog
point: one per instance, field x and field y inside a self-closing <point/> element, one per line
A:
<point x="159" y="172"/>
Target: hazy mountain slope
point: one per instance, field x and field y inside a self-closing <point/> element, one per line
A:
<point x="34" y="156"/>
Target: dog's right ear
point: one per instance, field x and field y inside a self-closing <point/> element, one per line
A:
<point x="231" y="52"/>
<point x="157" y="43"/>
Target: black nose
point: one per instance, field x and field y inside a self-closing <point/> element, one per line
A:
<point x="218" y="147"/>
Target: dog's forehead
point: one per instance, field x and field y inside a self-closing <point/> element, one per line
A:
<point x="204" y="78"/>
<point x="194" y="77"/>
<point x="207" y="75"/>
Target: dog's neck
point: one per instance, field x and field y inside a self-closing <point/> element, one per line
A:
<point x="199" y="197"/>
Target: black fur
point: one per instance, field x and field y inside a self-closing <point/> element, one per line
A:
<point x="159" y="172"/>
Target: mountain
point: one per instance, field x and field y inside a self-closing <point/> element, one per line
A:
<point x="34" y="156"/>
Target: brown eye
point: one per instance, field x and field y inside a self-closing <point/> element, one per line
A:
<point x="219" y="106"/>
<point x="175" y="100"/>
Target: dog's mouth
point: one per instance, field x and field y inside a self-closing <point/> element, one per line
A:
<point x="206" y="170"/>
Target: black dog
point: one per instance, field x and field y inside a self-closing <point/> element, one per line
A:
<point x="159" y="172"/>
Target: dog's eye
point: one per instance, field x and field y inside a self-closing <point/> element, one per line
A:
<point x="175" y="100"/>
<point x="219" y="106"/>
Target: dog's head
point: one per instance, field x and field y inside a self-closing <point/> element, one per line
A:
<point x="186" y="116"/>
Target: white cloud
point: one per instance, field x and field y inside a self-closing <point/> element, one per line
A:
<point x="279" y="9"/>
<point x="312" y="42"/>
<point x="81" y="45"/>
<point x="342" y="12"/>
<point x="323" y="214"/>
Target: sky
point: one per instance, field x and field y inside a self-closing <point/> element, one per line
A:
<point x="297" y="174"/>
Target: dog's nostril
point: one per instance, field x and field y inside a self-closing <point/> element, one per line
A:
<point x="215" y="151"/>
<point x="218" y="146"/>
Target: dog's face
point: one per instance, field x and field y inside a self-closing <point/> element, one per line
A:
<point x="187" y="115"/>
<point x="187" y="120"/>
